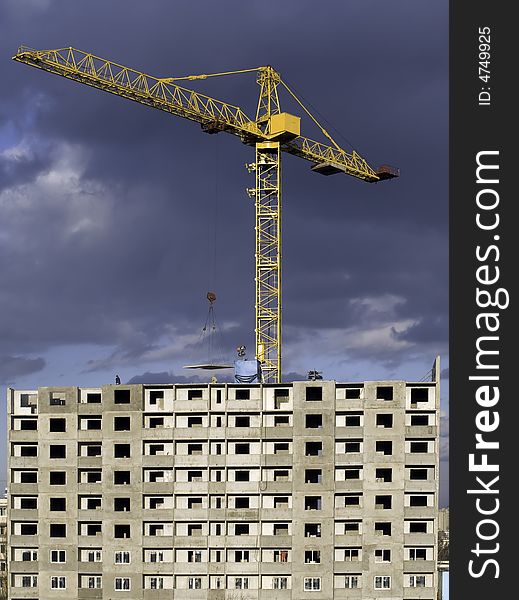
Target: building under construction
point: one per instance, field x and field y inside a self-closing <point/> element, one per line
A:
<point x="251" y="490"/>
<point x="311" y="489"/>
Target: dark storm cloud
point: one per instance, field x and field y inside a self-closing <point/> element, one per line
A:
<point x="112" y="209"/>
<point x="430" y="330"/>
<point x="12" y="367"/>
<point x="444" y="438"/>
<point x="164" y="377"/>
<point x="16" y="169"/>
<point x="167" y="377"/>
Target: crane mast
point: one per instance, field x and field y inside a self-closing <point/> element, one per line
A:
<point x="271" y="132"/>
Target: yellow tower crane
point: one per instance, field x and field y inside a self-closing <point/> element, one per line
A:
<point x="271" y="132"/>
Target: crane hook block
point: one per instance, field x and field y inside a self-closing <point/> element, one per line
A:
<point x="211" y="296"/>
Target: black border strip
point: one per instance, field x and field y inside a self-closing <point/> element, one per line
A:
<point x="482" y="124"/>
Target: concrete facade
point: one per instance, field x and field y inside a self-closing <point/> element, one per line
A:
<point x="3" y="547"/>
<point x="304" y="490"/>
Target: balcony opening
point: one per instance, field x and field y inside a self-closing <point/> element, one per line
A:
<point x="383" y="502"/>
<point x="194" y="530"/>
<point x="92" y="503"/>
<point x="194" y="476"/>
<point x="419" y="395"/>
<point x="419" y="447"/>
<point x="418" y="527"/>
<point x="382" y="556"/>
<point x="242" y="476"/>
<point x="93" y="449"/>
<point x="57" y="451"/>
<point x="384" y="392"/>
<point x="312" y="530"/>
<point x="384" y="475"/>
<point x="122" y="504"/>
<point x="156" y="503"/>
<point x="31" y="477"/>
<point x="121" y="477"/>
<point x="281" y="502"/>
<point x="281" y="475"/>
<point x="155" y="396"/>
<point x="418" y="554"/>
<point x="57" y="399"/>
<point x="57" y="478"/>
<point x="385" y="420"/>
<point x="194" y="449"/>
<point x="418" y="474"/>
<point x="281" y="556"/>
<point x="29" y="503"/>
<point x="242" y="502"/>
<point x="419" y="420"/>
<point x="156" y="476"/>
<point x="352" y="500"/>
<point x="58" y="504"/>
<point x="383" y="528"/>
<point x="122" y="531"/>
<point x="241" y="529"/>
<point x="419" y="501"/>
<point x="91" y="529"/>
<point x="314" y="421"/>
<point x="28" y="529"/>
<point x="352" y="393"/>
<point x="156" y="529"/>
<point x="242" y="449"/>
<point x="352" y="447"/>
<point x="194" y="503"/>
<point x="241" y="556"/>
<point x="314" y="394"/>
<point x="313" y="449"/>
<point x="281" y="448"/>
<point x="122" y="396"/>
<point x="29" y="450"/>
<point x="280" y="529"/>
<point x="281" y="397"/>
<point x="351" y="474"/>
<point x="90" y="476"/>
<point x="122" y="450"/>
<point x="352" y="554"/>
<point x="194" y="556"/>
<point x="313" y="475"/>
<point x="58" y="424"/>
<point x="312" y="557"/>
<point x="352" y="421"/>
<point x="313" y="502"/>
<point x="351" y="527"/>
<point x="384" y="447"/>
<point x="121" y="423"/>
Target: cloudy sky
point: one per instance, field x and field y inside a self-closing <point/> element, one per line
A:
<point x="116" y="219"/>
